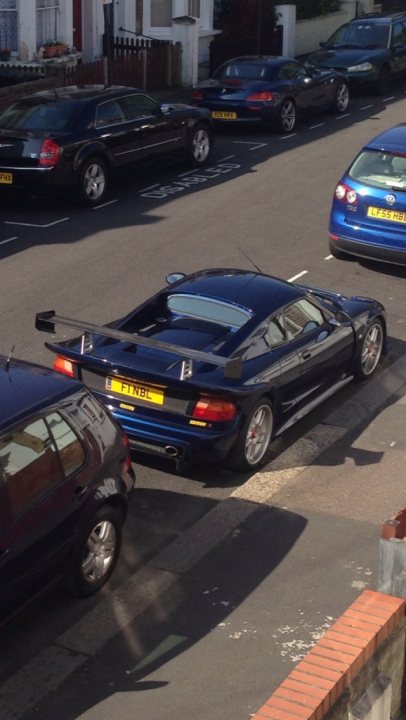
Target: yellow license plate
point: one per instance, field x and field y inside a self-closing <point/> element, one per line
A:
<point x="6" y="178"/>
<point x="217" y="115"/>
<point x="386" y="214"/>
<point x="135" y="390"/>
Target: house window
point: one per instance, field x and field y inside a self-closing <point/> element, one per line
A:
<point x="8" y="24"/>
<point x="47" y="21"/>
<point x="161" y="13"/>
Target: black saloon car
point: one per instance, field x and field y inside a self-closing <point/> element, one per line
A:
<point x="73" y="138"/>
<point x="371" y="51"/>
<point x="219" y="362"/>
<point x="270" y="90"/>
<point x="65" y="474"/>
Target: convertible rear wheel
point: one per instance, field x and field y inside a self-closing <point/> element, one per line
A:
<point x="287" y="116"/>
<point x="252" y="448"/>
<point x="370" y="351"/>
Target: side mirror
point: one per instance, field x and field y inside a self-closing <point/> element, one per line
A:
<point x="174" y="277"/>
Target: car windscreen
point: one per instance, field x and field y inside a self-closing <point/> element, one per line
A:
<point x="245" y="71"/>
<point x="29" y="115"/>
<point x="360" y="35"/>
<point x="380" y="169"/>
<point x="210" y="309"/>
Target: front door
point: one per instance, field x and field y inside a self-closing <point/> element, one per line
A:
<point x="77" y="24"/>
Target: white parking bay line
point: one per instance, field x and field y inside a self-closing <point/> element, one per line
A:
<point x="287" y="137"/>
<point x="110" y="202"/>
<point x="366" y="107"/>
<point x="328" y="257"/>
<point x="313" y="127"/>
<point x="340" y="117"/>
<point x="150" y="187"/>
<point x="47" y="225"/>
<point x="247" y="142"/>
<point x="3" y="242"/>
<point x="391" y="97"/>
<point x="296" y="277"/>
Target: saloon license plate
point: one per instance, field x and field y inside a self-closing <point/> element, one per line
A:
<point x="135" y="390"/>
<point x="217" y="115"/>
<point x="386" y="214"/>
<point x="6" y="178"/>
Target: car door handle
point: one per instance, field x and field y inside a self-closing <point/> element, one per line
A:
<point x="306" y="354"/>
<point x="80" y="491"/>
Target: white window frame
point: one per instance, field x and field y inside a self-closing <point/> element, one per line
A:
<point x="179" y="9"/>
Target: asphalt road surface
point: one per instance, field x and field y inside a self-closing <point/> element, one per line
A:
<point x="224" y="579"/>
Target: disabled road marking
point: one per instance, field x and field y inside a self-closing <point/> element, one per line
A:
<point x="47" y="225"/>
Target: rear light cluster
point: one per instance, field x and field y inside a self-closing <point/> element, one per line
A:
<point x="264" y="96"/>
<point x="64" y="366"/>
<point x="49" y="153"/>
<point x="346" y="194"/>
<point x="127" y="461"/>
<point x="214" y="409"/>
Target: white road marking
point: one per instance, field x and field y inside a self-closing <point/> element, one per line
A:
<point x="47" y="225"/>
<point x="313" y="127"/>
<point x="329" y="257"/>
<point x="110" y="202"/>
<point x="391" y="97"/>
<point x="226" y="158"/>
<point x="296" y="277"/>
<point x="286" y="137"/>
<point x="150" y="187"/>
<point x="366" y="107"/>
<point x="247" y="142"/>
<point x="3" y="242"/>
<point x="340" y="117"/>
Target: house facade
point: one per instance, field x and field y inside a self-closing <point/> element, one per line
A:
<point x="26" y="25"/>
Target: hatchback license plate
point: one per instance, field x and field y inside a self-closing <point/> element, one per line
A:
<point x="6" y="178"/>
<point x="217" y="115"/>
<point x="386" y="214"/>
<point x="136" y="390"/>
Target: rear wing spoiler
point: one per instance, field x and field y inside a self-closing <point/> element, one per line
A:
<point x="45" y="322"/>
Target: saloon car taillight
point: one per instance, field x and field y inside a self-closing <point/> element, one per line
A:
<point x="263" y="96"/>
<point x="346" y="194"/>
<point x="49" y="153"/>
<point x="214" y="409"/>
<point x="64" y="366"/>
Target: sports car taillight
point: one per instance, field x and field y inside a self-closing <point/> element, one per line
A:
<point x="49" y="153"/>
<point x="346" y="194"/>
<point x="197" y="94"/>
<point x="214" y="409"/>
<point x="127" y="461"/>
<point x="64" y="366"/>
<point x="264" y="96"/>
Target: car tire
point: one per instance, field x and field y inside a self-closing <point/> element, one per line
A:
<point x="96" y="553"/>
<point x="252" y="448"/>
<point x="199" y="145"/>
<point x="370" y="351"/>
<point x="342" y="98"/>
<point x="93" y="181"/>
<point x="384" y="80"/>
<point x="287" y="116"/>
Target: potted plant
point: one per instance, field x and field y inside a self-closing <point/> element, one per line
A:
<point x="54" y="48"/>
<point x="5" y="54"/>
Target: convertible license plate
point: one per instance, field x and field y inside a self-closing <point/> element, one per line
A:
<point x="136" y="390"/>
<point x="217" y="115"/>
<point x="386" y="214"/>
<point x="6" y="178"/>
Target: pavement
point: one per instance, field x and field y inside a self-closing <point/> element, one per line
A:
<point x="215" y="621"/>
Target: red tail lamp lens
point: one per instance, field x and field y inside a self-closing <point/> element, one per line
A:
<point x="49" y="153"/>
<point x="346" y="194"/>
<point x="214" y="409"/>
<point x="264" y="96"/>
<point x="127" y="461"/>
<point x="64" y="366"/>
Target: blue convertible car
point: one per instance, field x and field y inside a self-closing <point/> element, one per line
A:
<point x="219" y="362"/>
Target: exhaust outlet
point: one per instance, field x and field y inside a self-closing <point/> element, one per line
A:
<point x="171" y="451"/>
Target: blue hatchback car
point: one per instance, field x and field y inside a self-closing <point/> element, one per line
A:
<point x="368" y="214"/>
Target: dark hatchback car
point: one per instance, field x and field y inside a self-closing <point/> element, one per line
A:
<point x="75" y="138"/>
<point x="270" y="90"/>
<point x="218" y="363"/>
<point x="368" y="213"/>
<point x="371" y="51"/>
<point x="65" y="474"/>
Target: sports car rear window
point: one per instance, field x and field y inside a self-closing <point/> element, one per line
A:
<point x="246" y="71"/>
<point x="380" y="169"/>
<point x="210" y="309"/>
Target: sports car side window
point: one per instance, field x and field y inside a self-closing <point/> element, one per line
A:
<point x="276" y="334"/>
<point x="302" y="317"/>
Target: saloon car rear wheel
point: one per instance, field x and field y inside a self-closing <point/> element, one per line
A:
<point x="252" y="448"/>
<point x="96" y="553"/>
<point x="93" y="181"/>
<point x="342" y="98"/>
<point x="287" y="116"/>
<point x="370" y="350"/>
<point x="200" y="145"/>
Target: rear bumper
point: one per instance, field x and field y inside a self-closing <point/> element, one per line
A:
<point x="368" y="251"/>
<point x="36" y="181"/>
<point x="385" y="245"/>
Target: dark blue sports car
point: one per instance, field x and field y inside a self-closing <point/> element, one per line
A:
<point x="270" y="89"/>
<point x="219" y="362"/>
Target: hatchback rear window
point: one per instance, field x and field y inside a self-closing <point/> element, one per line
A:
<point x="45" y="117"/>
<point x="380" y="169"/>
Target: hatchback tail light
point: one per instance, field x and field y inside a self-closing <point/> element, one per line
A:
<point x="214" y="409"/>
<point x="49" y="153"/>
<point x="264" y="96"/>
<point x="64" y="366"/>
<point x="346" y="194"/>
